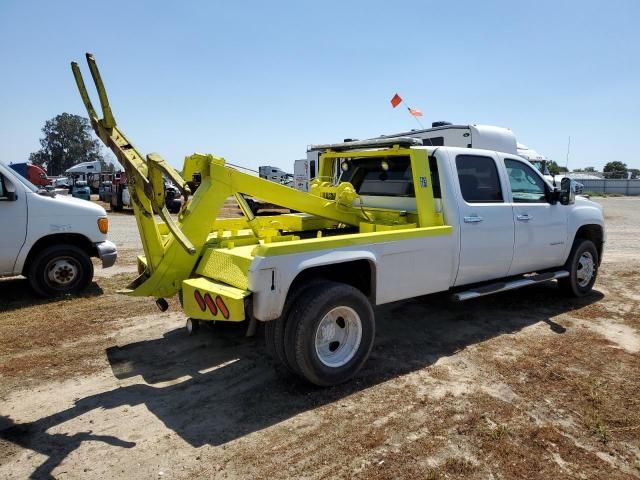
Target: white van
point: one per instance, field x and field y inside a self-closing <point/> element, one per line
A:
<point x="50" y="238"/>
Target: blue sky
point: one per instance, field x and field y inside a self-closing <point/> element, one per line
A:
<point x="256" y="82"/>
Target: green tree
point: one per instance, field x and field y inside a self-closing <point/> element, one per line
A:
<point x="589" y="169"/>
<point x="554" y="168"/>
<point x="635" y="172"/>
<point x="67" y="140"/>
<point x="615" y="169"/>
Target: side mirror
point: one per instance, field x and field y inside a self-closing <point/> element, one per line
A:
<point x="568" y="190"/>
<point x="9" y="197"/>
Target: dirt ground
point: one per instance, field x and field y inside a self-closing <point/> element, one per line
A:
<point x="526" y="384"/>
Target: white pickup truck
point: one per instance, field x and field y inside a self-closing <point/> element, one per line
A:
<point x="507" y="228"/>
<point x="50" y="238"/>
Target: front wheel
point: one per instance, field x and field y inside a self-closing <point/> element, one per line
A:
<point x="329" y="333"/>
<point x="582" y="265"/>
<point x="59" y="270"/>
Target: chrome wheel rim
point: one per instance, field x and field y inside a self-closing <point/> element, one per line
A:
<point x="62" y="272"/>
<point x="338" y="336"/>
<point x="586" y="269"/>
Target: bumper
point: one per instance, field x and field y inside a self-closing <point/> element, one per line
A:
<point x="107" y="252"/>
<point x="206" y="299"/>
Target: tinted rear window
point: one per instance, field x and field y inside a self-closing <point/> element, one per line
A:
<point x="386" y="176"/>
<point x="478" y="177"/>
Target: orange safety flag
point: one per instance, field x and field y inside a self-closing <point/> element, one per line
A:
<point x="396" y="100"/>
<point x="415" y="112"/>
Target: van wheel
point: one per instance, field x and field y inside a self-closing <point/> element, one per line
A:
<point x="330" y="333"/>
<point x="582" y="265"/>
<point x="59" y="270"/>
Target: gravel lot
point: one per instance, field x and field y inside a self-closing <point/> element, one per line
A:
<point x="526" y="384"/>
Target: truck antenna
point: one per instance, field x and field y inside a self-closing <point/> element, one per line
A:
<point x="568" y="150"/>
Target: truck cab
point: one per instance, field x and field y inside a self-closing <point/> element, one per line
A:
<point x="34" y="173"/>
<point x="52" y="237"/>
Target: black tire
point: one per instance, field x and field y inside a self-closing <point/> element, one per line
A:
<point x="274" y="330"/>
<point x="583" y="254"/>
<point x="59" y="270"/>
<point x="304" y="322"/>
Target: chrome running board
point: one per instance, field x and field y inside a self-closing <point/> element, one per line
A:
<point x="508" y="285"/>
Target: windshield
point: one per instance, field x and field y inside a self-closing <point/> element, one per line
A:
<point x="27" y="183"/>
<point x="541" y="166"/>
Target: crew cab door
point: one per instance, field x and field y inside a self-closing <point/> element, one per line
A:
<point x="485" y="220"/>
<point x="13" y="218"/>
<point x="540" y="228"/>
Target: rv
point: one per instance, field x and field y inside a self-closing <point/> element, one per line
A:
<point x="486" y="137"/>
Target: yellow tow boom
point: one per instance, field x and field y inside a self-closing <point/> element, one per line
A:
<point x="172" y="248"/>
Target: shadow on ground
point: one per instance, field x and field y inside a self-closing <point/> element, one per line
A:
<point x="16" y="293"/>
<point x="224" y="387"/>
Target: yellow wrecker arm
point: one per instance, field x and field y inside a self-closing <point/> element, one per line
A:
<point x="172" y="248"/>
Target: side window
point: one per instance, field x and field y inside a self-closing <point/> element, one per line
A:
<point x="433" y="141"/>
<point x="2" y="190"/>
<point x="526" y="185"/>
<point x="479" y="180"/>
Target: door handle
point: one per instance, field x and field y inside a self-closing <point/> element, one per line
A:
<point x="524" y="217"/>
<point x="473" y="219"/>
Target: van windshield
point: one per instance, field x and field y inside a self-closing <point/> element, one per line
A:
<point x="27" y="183"/>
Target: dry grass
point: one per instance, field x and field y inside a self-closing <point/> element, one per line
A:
<point x="571" y="407"/>
<point x="60" y="338"/>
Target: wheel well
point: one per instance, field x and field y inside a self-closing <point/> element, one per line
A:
<point x="357" y="273"/>
<point x="75" y="239"/>
<point x="593" y="233"/>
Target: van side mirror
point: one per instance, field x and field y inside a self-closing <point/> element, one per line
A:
<point x="9" y="197"/>
<point x="568" y="190"/>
